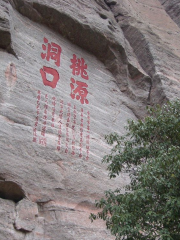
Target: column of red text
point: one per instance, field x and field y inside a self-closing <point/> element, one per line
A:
<point x="73" y="131"/>
<point x="60" y="125"/>
<point x="88" y="135"/>
<point x="42" y="139"/>
<point x="81" y="134"/>
<point x="37" y="117"/>
<point x="67" y="127"/>
<point x="53" y="110"/>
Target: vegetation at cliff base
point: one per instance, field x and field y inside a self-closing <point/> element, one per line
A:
<point x="148" y="207"/>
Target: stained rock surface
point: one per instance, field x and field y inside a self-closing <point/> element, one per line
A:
<point x="72" y="72"/>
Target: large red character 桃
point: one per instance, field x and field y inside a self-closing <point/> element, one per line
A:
<point x="79" y="67"/>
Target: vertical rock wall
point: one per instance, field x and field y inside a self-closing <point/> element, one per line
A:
<point x="70" y="73"/>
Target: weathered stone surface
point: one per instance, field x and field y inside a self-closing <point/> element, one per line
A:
<point x="8" y="214"/>
<point x="131" y="49"/>
<point x="172" y="7"/>
<point x="5" y="39"/>
<point x="27" y="213"/>
<point x="92" y="26"/>
<point x="155" y="40"/>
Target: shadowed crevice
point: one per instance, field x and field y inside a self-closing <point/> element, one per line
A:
<point x="11" y="191"/>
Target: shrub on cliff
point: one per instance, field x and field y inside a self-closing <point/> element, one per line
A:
<point x="149" y="207"/>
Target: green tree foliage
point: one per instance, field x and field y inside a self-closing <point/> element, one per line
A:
<point x="149" y="207"/>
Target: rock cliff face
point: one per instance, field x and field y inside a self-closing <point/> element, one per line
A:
<point x="71" y="72"/>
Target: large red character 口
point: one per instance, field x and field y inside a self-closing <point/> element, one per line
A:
<point x="53" y="51"/>
<point x="50" y="71"/>
<point x="80" y="91"/>
<point x="79" y="67"/>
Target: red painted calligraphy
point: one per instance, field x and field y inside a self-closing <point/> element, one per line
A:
<point x="50" y="76"/>
<point x="67" y="127"/>
<point x="88" y="135"/>
<point x="53" y="51"/>
<point x="51" y="73"/>
<point x="37" y="117"/>
<point x="79" y="67"/>
<point x="42" y="139"/>
<point x="81" y="134"/>
<point x="60" y="125"/>
<point x="79" y="90"/>
<point x="73" y="131"/>
<point x="53" y="110"/>
<point x="70" y="139"/>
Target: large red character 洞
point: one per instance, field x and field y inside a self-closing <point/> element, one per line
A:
<point x="53" y="51"/>
<point x="80" y="91"/>
<point x="47" y="70"/>
<point x="78" y="67"/>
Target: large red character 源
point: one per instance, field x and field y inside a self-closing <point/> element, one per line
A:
<point x="53" y="51"/>
<point x="53" y="73"/>
<point x="79" y="67"/>
<point x="79" y="90"/>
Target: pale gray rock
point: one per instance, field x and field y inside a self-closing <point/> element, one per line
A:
<point x="131" y="48"/>
<point x="26" y="214"/>
<point x="8" y="215"/>
<point x="154" y="37"/>
<point x="92" y="26"/>
<point x="172" y="7"/>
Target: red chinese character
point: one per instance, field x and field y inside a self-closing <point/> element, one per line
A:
<point x="80" y="91"/>
<point x="79" y="67"/>
<point x="34" y="132"/>
<point x="39" y="97"/>
<point x="42" y="141"/>
<point x="53" y="51"/>
<point x="43" y="131"/>
<point x="51" y="71"/>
